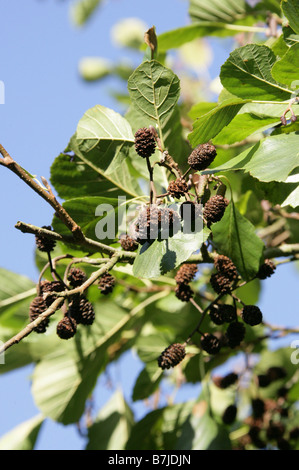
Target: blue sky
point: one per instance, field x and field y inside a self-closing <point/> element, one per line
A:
<point x="44" y="100"/>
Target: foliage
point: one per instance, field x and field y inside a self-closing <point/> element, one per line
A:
<point x="105" y="184"/>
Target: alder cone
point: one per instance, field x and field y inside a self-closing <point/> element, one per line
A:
<point x="226" y="381"/>
<point x="186" y="273"/>
<point x="66" y="328"/>
<point x="183" y="292"/>
<point x="38" y="306"/>
<point x="145" y="143"/>
<point x="230" y="414"/>
<point x="171" y="356"/>
<point x="106" y="283"/>
<point x="177" y="188"/>
<point x="225" y="266"/>
<point x="216" y="315"/>
<point x="252" y="315"/>
<point x="46" y="287"/>
<point x="220" y="283"/>
<point x="43" y="243"/>
<point x="210" y="344"/>
<point x="266" y="269"/>
<point x="235" y="334"/>
<point x="214" y="209"/>
<point x="202" y="156"/>
<point x="82" y="311"/>
<point x="76" y="277"/>
<point x="152" y="219"/>
<point x="127" y="243"/>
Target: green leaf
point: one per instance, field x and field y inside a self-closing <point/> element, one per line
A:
<point x="160" y="428"/>
<point x="203" y="433"/>
<point x="88" y="212"/>
<point x="217" y="10"/>
<point x="147" y="381"/>
<point x="24" y="436"/>
<point x="247" y="74"/>
<point x="161" y="256"/>
<point x="112" y="426"/>
<point x="63" y="380"/>
<point x="16" y="293"/>
<point x="180" y="36"/>
<point x="209" y="125"/>
<point x="73" y="178"/>
<point x="290" y="9"/>
<point x="104" y="135"/>
<point x="123" y="179"/>
<point x="289" y="35"/>
<point x="249" y="206"/>
<point x="241" y="244"/>
<point x="154" y="91"/>
<point x="271" y="159"/>
<point x="82" y="10"/>
<point x="285" y="70"/>
<point x="292" y="199"/>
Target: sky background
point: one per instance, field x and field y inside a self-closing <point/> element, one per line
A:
<point x="44" y="100"/>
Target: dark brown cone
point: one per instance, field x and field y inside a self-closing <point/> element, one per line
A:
<point x="43" y="243"/>
<point x="76" y="277"/>
<point x="152" y="219"/>
<point x="66" y="328"/>
<point x="252" y="315"/>
<point x="106" y="283"/>
<point x="46" y="287"/>
<point x="202" y="156"/>
<point x="276" y="373"/>
<point x="228" y="313"/>
<point x="225" y="266"/>
<point x="263" y="380"/>
<point x="210" y="344"/>
<point x="177" y="188"/>
<point x="186" y="273"/>
<point x="254" y="434"/>
<point x="226" y="381"/>
<point x="220" y="283"/>
<point x="82" y="311"/>
<point x="266" y="269"/>
<point x="127" y="243"/>
<point x="275" y="431"/>
<point x="230" y="414"/>
<point x="215" y="315"/>
<point x="258" y="408"/>
<point x="171" y="356"/>
<point x="214" y="209"/>
<point x="235" y="334"/>
<point x="145" y="143"/>
<point x="183" y="292"/>
<point x="38" y="306"/>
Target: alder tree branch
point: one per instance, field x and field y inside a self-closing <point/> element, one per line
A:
<point x="58" y="302"/>
<point x="8" y="162"/>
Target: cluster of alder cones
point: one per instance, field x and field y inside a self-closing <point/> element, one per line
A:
<point x="77" y="308"/>
<point x="268" y="418"/>
<point x="226" y="275"/>
<point x="199" y="159"/>
<point x="225" y="314"/>
<point x="151" y="219"/>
